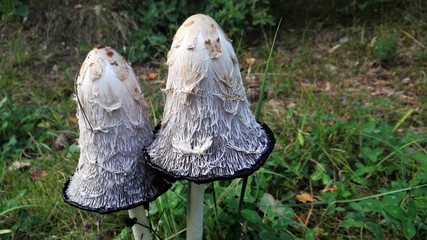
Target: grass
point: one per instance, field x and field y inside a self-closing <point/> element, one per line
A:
<point x="350" y="160"/>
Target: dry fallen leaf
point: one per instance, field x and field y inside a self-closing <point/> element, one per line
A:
<point x="381" y="83"/>
<point x="330" y="189"/>
<point x="328" y="86"/>
<point x="307" y="128"/>
<point x="73" y="120"/>
<point x="412" y="85"/>
<point x="250" y="61"/>
<point x="18" y="165"/>
<point x="346" y="116"/>
<point x="38" y="173"/>
<point x="291" y="104"/>
<point x="301" y="217"/>
<point x="332" y="49"/>
<point x="409" y="100"/>
<point x="305" y="197"/>
<point x="152" y="75"/>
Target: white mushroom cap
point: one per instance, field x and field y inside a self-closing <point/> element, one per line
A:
<point x="112" y="173"/>
<point x="208" y="131"/>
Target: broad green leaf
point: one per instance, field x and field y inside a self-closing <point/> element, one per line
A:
<point x="392" y="199"/>
<point x="372" y="153"/>
<point x="412" y="210"/>
<point x="331" y="209"/>
<point x="369" y="127"/>
<point x="340" y="209"/>
<point x="22" y="11"/>
<point x="326" y="179"/>
<point x="266" y="231"/>
<point x="375" y="229"/>
<point x="372" y="205"/>
<point x="347" y="223"/>
<point x="317" y="175"/>
<point x="420" y="156"/>
<point x="329" y="197"/>
<point x="300" y="138"/>
<point x="354" y="219"/>
<point x="385" y="47"/>
<point x="362" y="169"/>
<point x="126" y="233"/>
<point x="421" y="202"/>
<point x="310" y="234"/>
<point x="408" y="228"/>
<point x="358" y="223"/>
<point x="395" y="211"/>
<point x="356" y="206"/>
<point x="3" y="101"/>
<point x="251" y="216"/>
<point x="288" y="213"/>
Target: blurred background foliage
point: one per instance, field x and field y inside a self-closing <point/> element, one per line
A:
<point x="143" y="30"/>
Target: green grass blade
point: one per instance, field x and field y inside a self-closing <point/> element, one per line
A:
<point x="264" y="80"/>
<point x="402" y="119"/>
<point x="257" y="115"/>
<point x="16" y="208"/>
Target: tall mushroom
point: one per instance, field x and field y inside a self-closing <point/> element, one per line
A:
<point x="112" y="173"/>
<point x="208" y="131"/>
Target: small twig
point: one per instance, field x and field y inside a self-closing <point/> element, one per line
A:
<point x="311" y="207"/>
<point x="415" y="40"/>
<point x="176" y="234"/>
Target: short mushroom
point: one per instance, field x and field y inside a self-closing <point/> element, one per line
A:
<point x="208" y="131"/>
<point x="112" y="173"/>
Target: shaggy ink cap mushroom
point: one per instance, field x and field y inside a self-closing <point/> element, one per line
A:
<point x="112" y="173"/>
<point x="208" y="131"/>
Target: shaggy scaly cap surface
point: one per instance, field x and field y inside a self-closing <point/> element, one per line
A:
<point x="112" y="173"/>
<point x="208" y="131"/>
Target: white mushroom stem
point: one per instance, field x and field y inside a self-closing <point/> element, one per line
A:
<point x="139" y="231"/>
<point x="195" y="211"/>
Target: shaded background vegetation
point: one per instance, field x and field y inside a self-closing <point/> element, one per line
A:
<point x="346" y="100"/>
<point x="143" y="30"/>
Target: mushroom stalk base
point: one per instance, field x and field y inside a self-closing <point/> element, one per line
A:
<point x="195" y="211"/>
<point x="139" y="231"/>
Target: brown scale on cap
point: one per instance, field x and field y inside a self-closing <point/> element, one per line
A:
<point x="109" y="52"/>
<point x="189" y="24"/>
